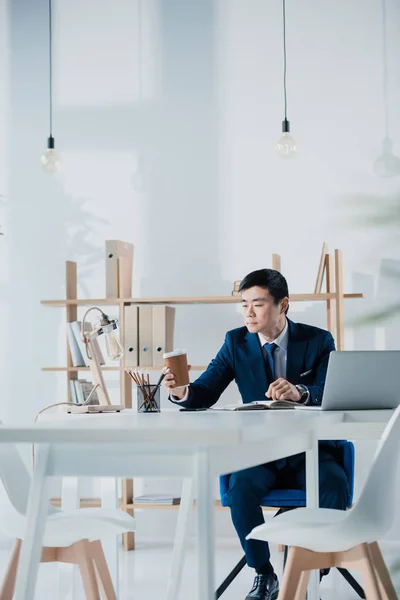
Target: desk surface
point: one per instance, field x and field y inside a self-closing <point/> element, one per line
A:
<point x="201" y="428"/>
<point x="216" y="428"/>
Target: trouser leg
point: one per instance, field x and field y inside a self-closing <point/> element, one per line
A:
<point x="245" y="493"/>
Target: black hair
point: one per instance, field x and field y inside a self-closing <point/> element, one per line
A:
<point x="269" y="279"/>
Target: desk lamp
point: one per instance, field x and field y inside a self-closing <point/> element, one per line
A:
<point x="106" y="327"/>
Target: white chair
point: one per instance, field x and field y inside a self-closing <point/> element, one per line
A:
<point x="321" y="538"/>
<point x="70" y="536"/>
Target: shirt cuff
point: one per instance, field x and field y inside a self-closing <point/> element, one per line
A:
<point x="179" y="400"/>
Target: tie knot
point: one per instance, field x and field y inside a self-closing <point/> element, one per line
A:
<point x="269" y="348"/>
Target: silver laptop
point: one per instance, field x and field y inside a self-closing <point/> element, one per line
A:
<point x="361" y="380"/>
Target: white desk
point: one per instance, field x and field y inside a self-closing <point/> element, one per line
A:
<point x="195" y="445"/>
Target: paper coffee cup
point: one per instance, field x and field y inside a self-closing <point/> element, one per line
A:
<point x="176" y="361"/>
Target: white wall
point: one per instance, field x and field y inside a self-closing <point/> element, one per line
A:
<point x="3" y="177"/>
<point x="166" y="113"/>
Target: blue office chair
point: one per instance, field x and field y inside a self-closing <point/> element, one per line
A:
<point x="289" y="499"/>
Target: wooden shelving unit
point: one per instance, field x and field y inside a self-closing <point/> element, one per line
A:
<point x="334" y="296"/>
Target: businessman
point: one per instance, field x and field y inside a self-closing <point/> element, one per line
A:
<point x="275" y="358"/>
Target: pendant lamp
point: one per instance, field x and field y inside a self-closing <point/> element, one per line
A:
<point x="50" y="159"/>
<point x="286" y="146"/>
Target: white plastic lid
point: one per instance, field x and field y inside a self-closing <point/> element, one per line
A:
<point x="177" y="352"/>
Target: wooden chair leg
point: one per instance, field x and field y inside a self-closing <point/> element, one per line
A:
<point x="294" y="582"/>
<point x="102" y="569"/>
<point x="85" y="563"/>
<point x="302" y="587"/>
<point x="369" y="576"/>
<point x="7" y="588"/>
<point x="281" y="548"/>
<point x="384" y="581"/>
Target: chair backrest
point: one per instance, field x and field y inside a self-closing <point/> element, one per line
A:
<point x="280" y="498"/>
<point x="347" y="460"/>
<point x="377" y="503"/>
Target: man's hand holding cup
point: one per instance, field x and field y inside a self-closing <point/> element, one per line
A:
<point x="177" y="370"/>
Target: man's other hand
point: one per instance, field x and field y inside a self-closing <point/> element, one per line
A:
<point x="283" y="390"/>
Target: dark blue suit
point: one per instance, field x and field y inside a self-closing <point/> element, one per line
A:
<point x="241" y="358"/>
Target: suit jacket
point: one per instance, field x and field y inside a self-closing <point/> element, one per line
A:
<point x="241" y="358"/>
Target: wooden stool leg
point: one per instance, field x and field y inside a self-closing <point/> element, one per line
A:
<point x="85" y="562"/>
<point x="384" y="581"/>
<point x="7" y="588"/>
<point x="103" y="570"/>
<point x="294" y="582"/>
<point x="369" y="576"/>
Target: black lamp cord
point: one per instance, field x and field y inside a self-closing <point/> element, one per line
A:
<point x="284" y="55"/>
<point x="50" y="71"/>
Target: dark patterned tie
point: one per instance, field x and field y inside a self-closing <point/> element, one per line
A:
<point x="270" y="364"/>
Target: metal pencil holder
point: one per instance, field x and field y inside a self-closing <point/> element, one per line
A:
<point x="148" y="402"/>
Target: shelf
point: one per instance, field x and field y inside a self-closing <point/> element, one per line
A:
<point x="95" y="503"/>
<point x="189" y="300"/>
<point x="145" y="505"/>
<point x="218" y="506"/>
<point x="73" y="369"/>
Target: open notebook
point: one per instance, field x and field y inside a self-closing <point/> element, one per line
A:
<point x="259" y="405"/>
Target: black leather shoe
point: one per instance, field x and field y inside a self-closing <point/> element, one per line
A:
<point x="265" y="587"/>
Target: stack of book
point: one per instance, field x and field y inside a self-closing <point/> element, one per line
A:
<point x="77" y="346"/>
<point x="157" y="499"/>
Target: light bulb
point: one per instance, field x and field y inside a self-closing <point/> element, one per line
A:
<point x="286" y="146"/>
<point x="387" y="165"/>
<point x="50" y="159"/>
<point x="113" y="346"/>
<point x="108" y="327"/>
